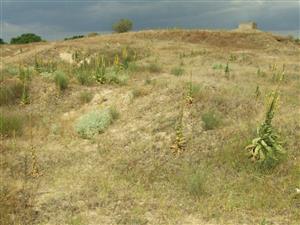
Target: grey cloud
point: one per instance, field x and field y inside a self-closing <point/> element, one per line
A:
<point x="58" y="18"/>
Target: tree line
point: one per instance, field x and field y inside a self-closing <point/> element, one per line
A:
<point x="123" y="25"/>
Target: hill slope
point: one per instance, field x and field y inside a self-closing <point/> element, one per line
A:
<point x="129" y="173"/>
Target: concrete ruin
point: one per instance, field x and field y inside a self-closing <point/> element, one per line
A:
<point x="248" y="26"/>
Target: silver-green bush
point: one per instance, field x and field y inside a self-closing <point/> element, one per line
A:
<point x="94" y="122"/>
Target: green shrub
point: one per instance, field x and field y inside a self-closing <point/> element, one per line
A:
<point x="85" y="97"/>
<point x="10" y="124"/>
<point x="211" y="120"/>
<point x="61" y="80"/>
<point x="10" y="91"/>
<point x="122" y="26"/>
<point x="177" y="71"/>
<point x="26" y="38"/>
<point x="94" y="122"/>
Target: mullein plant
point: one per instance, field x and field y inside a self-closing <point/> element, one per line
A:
<point x="179" y="144"/>
<point x="278" y="76"/>
<point x="227" y="71"/>
<point x="189" y="96"/>
<point x="117" y="65"/>
<point x="266" y="148"/>
<point x="125" y="58"/>
<point x="24" y="75"/>
<point x="100" y="71"/>
<point x="257" y="93"/>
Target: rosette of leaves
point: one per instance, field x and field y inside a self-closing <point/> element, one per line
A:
<point x="266" y="148"/>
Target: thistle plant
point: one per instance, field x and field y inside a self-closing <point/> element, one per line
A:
<point x="266" y="148"/>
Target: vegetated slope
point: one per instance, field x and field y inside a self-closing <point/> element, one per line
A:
<point x="130" y="173"/>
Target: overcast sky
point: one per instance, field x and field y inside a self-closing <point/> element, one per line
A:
<point x="56" y="19"/>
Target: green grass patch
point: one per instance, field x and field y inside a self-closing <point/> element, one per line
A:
<point x="11" y="124"/>
<point x="177" y="71"/>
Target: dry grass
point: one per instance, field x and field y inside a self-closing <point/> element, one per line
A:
<point x="128" y="174"/>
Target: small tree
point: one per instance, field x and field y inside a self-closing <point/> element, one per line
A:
<point x="26" y="38"/>
<point x="122" y="26"/>
<point x="1" y="41"/>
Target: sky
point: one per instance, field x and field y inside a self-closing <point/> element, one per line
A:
<point x="57" y="19"/>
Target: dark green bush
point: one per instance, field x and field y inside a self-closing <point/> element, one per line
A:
<point x="26" y="38"/>
<point x="122" y="26"/>
<point x="2" y="42"/>
<point x="74" y="37"/>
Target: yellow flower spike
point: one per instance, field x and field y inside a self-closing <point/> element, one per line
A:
<point x="124" y="53"/>
<point x="116" y="62"/>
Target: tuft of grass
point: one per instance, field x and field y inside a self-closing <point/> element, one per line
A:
<point x="217" y="66"/>
<point x="11" y="124"/>
<point x="196" y="184"/>
<point x="154" y="67"/>
<point x="61" y="80"/>
<point x="95" y="122"/>
<point x="85" y="97"/>
<point x="84" y="78"/>
<point x="114" y="113"/>
<point x="10" y="91"/>
<point x="210" y="120"/>
<point x="177" y="71"/>
<point x="194" y="89"/>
